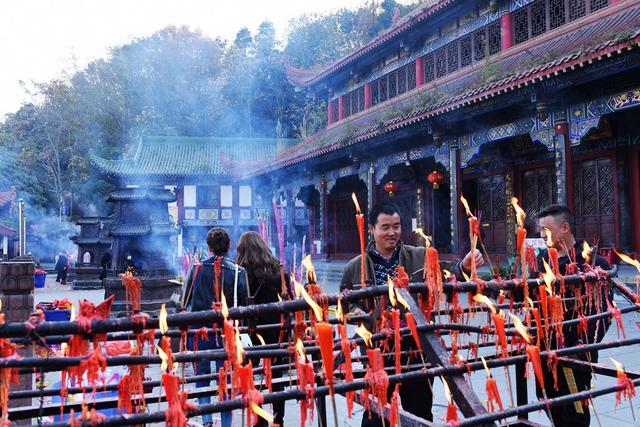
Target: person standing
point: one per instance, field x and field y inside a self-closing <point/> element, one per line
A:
<point x="268" y="282"/>
<point x="383" y="256"/>
<point x="558" y="220"/>
<point x="233" y="282"/>
<point x="61" y="267"/>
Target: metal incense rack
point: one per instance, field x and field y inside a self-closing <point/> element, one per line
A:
<point x="434" y="361"/>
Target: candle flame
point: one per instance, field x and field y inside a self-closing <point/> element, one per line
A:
<point x="225" y="307"/>
<point x="522" y="330"/>
<point x="403" y="301"/>
<point x="364" y="334"/>
<point x="311" y="271"/>
<point x="63" y="349"/>
<point x="548" y="237"/>
<point x="530" y="302"/>
<point x="447" y="274"/>
<point x="355" y="202"/>
<point x="392" y="291"/>
<point x="301" y="292"/>
<point x="262" y="413"/>
<point x="339" y="312"/>
<point x="486" y="368"/>
<point x="165" y="359"/>
<point x="618" y="365"/>
<point x="426" y="238"/>
<point x="239" y="347"/>
<point x="73" y="313"/>
<point x="466" y="206"/>
<point x="520" y="214"/>
<point x="548" y="276"/>
<point x="485" y="300"/>
<point x="162" y="320"/>
<point x="586" y="251"/>
<point x="466" y="278"/>
<point x="626" y="258"/>
<point x="260" y="339"/>
<point x="447" y="392"/>
<point x="300" y="349"/>
<point x="0" y="305"/>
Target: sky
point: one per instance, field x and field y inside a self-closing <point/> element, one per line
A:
<point x="41" y="39"/>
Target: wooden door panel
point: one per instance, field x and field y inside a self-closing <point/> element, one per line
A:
<point x="344" y="239"/>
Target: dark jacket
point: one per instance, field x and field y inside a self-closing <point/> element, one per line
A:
<point x="265" y="292"/>
<point x="411" y="258"/>
<point x="204" y="282"/>
<point x="570" y="333"/>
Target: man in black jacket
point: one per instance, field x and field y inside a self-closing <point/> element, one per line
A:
<point x="558" y="220"/>
<point x="233" y="282"/>
<point x="382" y="258"/>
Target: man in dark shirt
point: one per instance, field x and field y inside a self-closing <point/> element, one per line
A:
<point x="382" y="258"/>
<point x="558" y="220"/>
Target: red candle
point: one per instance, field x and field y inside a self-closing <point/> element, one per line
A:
<point x="229" y="341"/>
<point x="553" y="257"/>
<point x="493" y="396"/>
<point x="536" y="316"/>
<point x="452" y="414"/>
<point x="345" y="346"/>
<point x="533" y="354"/>
<point x="411" y="322"/>
<point x="629" y="390"/>
<point x="376" y="377"/>
<point x="324" y="334"/>
<point x="397" y="344"/>
<point x="498" y="323"/>
<point x="360" y="224"/>
<point x="542" y="291"/>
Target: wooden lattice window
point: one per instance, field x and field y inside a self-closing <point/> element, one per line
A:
<point x="383" y="88"/>
<point x="544" y="15"/>
<point x="361" y="98"/>
<point x="429" y="68"/>
<point x="538" y="18"/>
<point x="452" y="57"/>
<point x="557" y="13"/>
<point x="479" y="45"/>
<point x="333" y="105"/>
<point x="375" y="93"/>
<point x="577" y="9"/>
<point x="465" y="52"/>
<point x="495" y="40"/>
<point x="402" y="80"/>
<point x="346" y="105"/>
<point x="393" y="85"/>
<point x="520" y="26"/>
<point x="441" y="62"/>
<point x="411" y="76"/>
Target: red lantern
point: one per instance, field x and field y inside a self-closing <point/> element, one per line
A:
<point x="435" y="178"/>
<point x="390" y="187"/>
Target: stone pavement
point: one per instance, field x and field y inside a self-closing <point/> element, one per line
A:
<point x="605" y="406"/>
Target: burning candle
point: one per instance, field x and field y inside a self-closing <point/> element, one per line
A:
<point x="324" y="334"/>
<point x="498" y="322"/>
<point x="397" y="343"/>
<point x="629" y="389"/>
<point x="360" y="224"/>
<point x="411" y="322"/>
<point x="491" y="387"/>
<point x="536" y="316"/>
<point x="552" y="251"/>
<point x="452" y="410"/>
<point x="533" y="351"/>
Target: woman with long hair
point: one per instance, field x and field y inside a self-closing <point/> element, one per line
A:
<point x="268" y="280"/>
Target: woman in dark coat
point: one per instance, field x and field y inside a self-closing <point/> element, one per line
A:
<point x="267" y="281"/>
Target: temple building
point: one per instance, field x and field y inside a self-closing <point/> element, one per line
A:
<point x="197" y="170"/>
<point x="501" y="98"/>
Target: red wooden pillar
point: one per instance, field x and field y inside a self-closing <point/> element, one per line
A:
<point x="562" y="129"/>
<point x="341" y="107"/>
<point x="330" y="113"/>
<point x="634" y="196"/>
<point x="367" y="95"/>
<point x="506" y="30"/>
<point x="419" y="71"/>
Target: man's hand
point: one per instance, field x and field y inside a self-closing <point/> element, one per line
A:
<point x="475" y="257"/>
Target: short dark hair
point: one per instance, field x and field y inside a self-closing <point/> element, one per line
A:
<point x="386" y="208"/>
<point x="558" y="211"/>
<point x="218" y="241"/>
